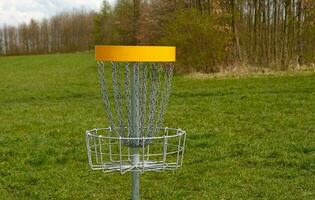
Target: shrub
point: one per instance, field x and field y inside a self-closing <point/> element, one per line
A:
<point x="200" y="42"/>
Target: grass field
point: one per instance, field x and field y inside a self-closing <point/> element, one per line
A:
<point x="248" y="138"/>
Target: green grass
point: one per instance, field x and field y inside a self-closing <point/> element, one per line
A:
<point x="248" y="138"/>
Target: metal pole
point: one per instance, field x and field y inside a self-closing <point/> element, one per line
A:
<point x="134" y="133"/>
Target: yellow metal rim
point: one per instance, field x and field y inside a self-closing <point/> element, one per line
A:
<point x="135" y="53"/>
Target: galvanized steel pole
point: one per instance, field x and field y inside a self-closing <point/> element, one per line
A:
<point x="134" y="133"/>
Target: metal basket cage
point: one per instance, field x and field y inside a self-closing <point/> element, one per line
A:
<point x="109" y="152"/>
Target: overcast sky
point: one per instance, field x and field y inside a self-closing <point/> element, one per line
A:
<point x="13" y="12"/>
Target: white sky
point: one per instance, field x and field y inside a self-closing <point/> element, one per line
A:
<point x="13" y="12"/>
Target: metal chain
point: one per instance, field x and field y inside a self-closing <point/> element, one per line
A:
<point x="137" y="107"/>
<point x="153" y="76"/>
<point x="157" y="97"/>
<point x="143" y="98"/>
<point x="128" y="99"/>
<point x="168" y="73"/>
<point x="105" y="93"/>
<point x="117" y="98"/>
<point x="152" y="91"/>
<point x="160" y="94"/>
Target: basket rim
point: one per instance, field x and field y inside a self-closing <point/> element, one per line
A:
<point x="179" y="132"/>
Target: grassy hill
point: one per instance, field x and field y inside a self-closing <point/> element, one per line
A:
<point x="248" y="138"/>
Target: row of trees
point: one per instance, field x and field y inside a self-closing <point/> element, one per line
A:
<point x="274" y="32"/>
<point x="209" y="34"/>
<point x="65" y="32"/>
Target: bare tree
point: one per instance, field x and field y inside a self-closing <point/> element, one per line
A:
<point x="300" y="30"/>
<point x="1" y="42"/>
<point x="136" y="20"/>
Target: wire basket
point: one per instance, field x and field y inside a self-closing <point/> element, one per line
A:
<point x="109" y="152"/>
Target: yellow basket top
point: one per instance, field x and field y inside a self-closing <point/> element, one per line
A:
<point x="135" y="53"/>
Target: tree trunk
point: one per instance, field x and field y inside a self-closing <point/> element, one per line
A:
<point x="1" y="40"/>
<point x="300" y="31"/>
<point x="284" y="59"/>
<point x="276" y="22"/>
<point x="136" y="15"/>
<point x="236" y="36"/>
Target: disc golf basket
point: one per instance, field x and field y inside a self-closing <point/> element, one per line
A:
<point x="135" y="92"/>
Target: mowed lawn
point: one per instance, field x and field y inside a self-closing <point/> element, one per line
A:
<point x="247" y="138"/>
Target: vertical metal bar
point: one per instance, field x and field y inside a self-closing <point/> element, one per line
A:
<point x="143" y="149"/>
<point x="120" y="155"/>
<point x="101" y="156"/>
<point x="134" y="134"/>
<point x="178" y="148"/>
<point x="110" y="144"/>
<point x="95" y="147"/>
<point x="183" y="148"/>
<point x="88" y="147"/>
<point x="110" y="149"/>
<point x="128" y="152"/>
<point x="164" y="151"/>
<point x="148" y="152"/>
<point x="165" y="146"/>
